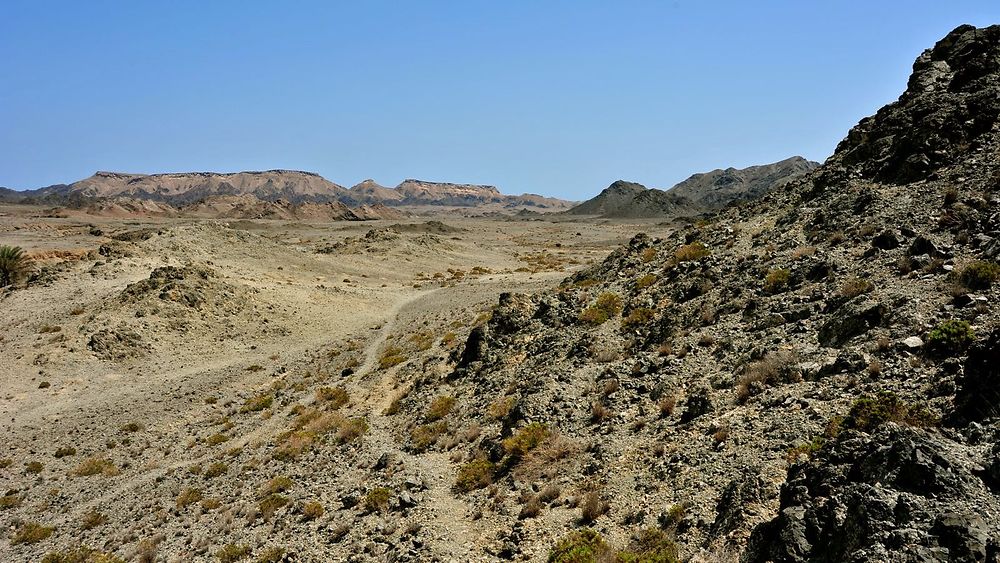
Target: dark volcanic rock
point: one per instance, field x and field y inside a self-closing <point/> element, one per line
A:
<point x="953" y="97"/>
<point x="901" y="494"/>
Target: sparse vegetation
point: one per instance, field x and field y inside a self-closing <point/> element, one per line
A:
<point x="645" y="281"/>
<point x="31" y="532"/>
<point x="14" y="264"/>
<point x="526" y="439"/>
<point x="501" y="407"/>
<point x="188" y="496"/>
<point x="334" y="397"/>
<point x="271" y="555"/>
<point x="640" y="316"/>
<point x="391" y="356"/>
<point x="776" y="281"/>
<point x="81" y="554"/>
<point x="312" y="510"/>
<point x="233" y="552"/>
<point x="607" y="305"/>
<point x="689" y="252"/>
<point x="979" y="275"/>
<point x="583" y="546"/>
<point x="95" y="466"/>
<point x="64" y="451"/>
<point x="426" y="435"/>
<point x="950" y="337"/>
<point x="270" y="504"/>
<point x="647" y="255"/>
<point x="868" y="413"/>
<point x="377" y="499"/>
<point x="854" y="286"/>
<point x="776" y="367"/>
<point x="216" y="469"/>
<point x="9" y="501"/>
<point x="92" y="519"/>
<point x="439" y="408"/>
<point x="257" y="403"/>
<point x="592" y="507"/>
<point x="476" y="474"/>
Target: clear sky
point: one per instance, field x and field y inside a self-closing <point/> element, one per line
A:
<point x="553" y="97"/>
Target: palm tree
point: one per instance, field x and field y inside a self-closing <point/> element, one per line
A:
<point x="14" y="263"/>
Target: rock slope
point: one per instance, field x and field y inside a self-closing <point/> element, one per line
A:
<point x="698" y="194"/>
<point x="807" y="377"/>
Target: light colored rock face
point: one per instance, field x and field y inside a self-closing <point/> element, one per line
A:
<point x="187" y="187"/>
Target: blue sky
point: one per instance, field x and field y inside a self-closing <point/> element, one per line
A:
<point x="559" y="97"/>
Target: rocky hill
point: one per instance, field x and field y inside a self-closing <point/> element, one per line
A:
<point x="630" y="200"/>
<point x="811" y="376"/>
<point x="700" y="193"/>
<point x="718" y="188"/>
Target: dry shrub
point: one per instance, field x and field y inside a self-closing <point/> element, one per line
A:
<point x="95" y="466"/>
<point x="776" y="367"/>
<point x="599" y="413"/>
<point x="439" y="408"/>
<point x="689" y="252"/>
<point x="312" y="510"/>
<point x="592" y="507"/>
<point x="803" y="252"/>
<point x="501" y="407"/>
<point x="667" y="405"/>
<point x="546" y="457"/>
<point x="334" y="397"/>
<point x="854" y="286"/>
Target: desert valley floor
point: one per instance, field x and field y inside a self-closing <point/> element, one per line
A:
<point x="132" y="369"/>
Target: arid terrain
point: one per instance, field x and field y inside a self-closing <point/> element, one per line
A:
<point x="136" y="353"/>
<point x="798" y="369"/>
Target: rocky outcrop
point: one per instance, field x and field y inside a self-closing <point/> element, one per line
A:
<point x="900" y="494"/>
<point x="630" y="200"/>
<point x="951" y="101"/>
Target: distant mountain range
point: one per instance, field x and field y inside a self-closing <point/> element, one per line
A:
<point x="291" y="194"/>
<point x="288" y="189"/>
<point x="703" y="192"/>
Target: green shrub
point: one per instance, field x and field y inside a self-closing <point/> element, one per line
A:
<point x="526" y="439"/>
<point x="950" y="337"/>
<point x="607" y="305"/>
<point x="583" y="546"/>
<point x="476" y="474"/>
<point x="14" y="264"/>
<point x="776" y="281"/>
<point x="979" y="275"/>
<point x="650" y="545"/>
<point x="869" y="413"/>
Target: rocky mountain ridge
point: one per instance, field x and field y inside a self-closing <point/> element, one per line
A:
<point x="181" y="191"/>
<point x="700" y="193"/>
